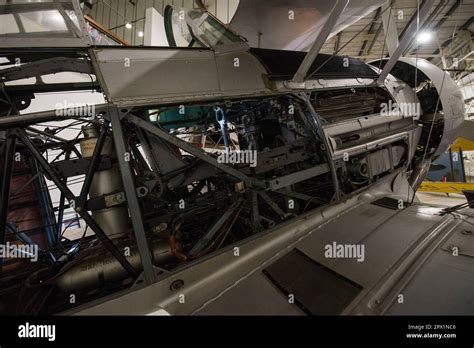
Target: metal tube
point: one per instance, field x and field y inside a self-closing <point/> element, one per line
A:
<point x="451" y="165"/>
<point x="331" y="21"/>
<point x="101" y="268"/>
<point x="319" y="124"/>
<point x="62" y="199"/>
<point x="132" y="199"/>
<point x="94" y="164"/>
<point x="113" y="220"/>
<point x="39" y="117"/>
<point x="215" y="228"/>
<point x="418" y="174"/>
<point x="463" y="169"/>
<point x="406" y="40"/>
<point x="44" y="203"/>
<point x="70" y="196"/>
<point x="9" y="152"/>
<point x="193" y="151"/>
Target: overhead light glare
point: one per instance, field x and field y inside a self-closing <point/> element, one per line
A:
<point x="424" y="37"/>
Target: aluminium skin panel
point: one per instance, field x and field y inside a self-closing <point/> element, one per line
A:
<point x="148" y="76"/>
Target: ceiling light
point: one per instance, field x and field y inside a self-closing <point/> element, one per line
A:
<point x="424" y="37"/>
<point x="140" y="33"/>
<point x="128" y="26"/>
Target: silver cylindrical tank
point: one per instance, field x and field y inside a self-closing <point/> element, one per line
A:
<point x="114" y="220"/>
<point x="101" y="267"/>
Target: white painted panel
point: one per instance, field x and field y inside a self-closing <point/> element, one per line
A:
<point x="221" y="10"/>
<point x="233" y="5"/>
<point x="155" y="34"/>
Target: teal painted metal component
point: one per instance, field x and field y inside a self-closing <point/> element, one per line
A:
<point x="185" y="117"/>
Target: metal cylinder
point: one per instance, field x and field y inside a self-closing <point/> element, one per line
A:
<point x="102" y="268"/>
<point x="358" y="168"/>
<point x="114" y="220"/>
<point x="419" y="173"/>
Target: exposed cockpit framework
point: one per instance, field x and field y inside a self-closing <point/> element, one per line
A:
<point x="215" y="171"/>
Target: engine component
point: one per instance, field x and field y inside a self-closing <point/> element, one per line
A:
<point x="102" y="268"/>
<point x="377" y="162"/>
<point x="114" y="220"/>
